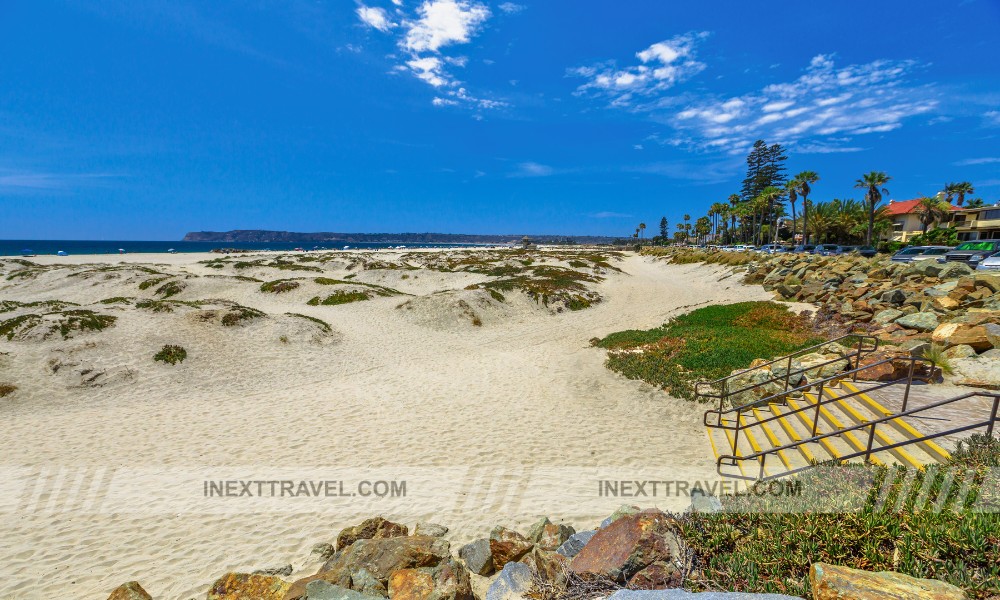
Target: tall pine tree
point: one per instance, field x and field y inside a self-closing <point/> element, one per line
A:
<point x="765" y="168"/>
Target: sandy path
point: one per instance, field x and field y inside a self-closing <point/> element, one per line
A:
<point x="498" y="424"/>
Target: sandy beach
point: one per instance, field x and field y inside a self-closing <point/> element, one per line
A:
<point x="486" y="411"/>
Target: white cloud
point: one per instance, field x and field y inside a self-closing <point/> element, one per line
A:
<point x="442" y="23"/>
<point x="977" y="161"/>
<point x="992" y="118"/>
<point x="511" y="9"/>
<point x="607" y="214"/>
<point x="661" y="66"/>
<point x="825" y="101"/>
<point x="424" y="35"/>
<point x="532" y="169"/>
<point x="375" y="17"/>
<point x="429" y="69"/>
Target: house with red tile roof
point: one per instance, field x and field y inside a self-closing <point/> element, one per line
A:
<point x="906" y="219"/>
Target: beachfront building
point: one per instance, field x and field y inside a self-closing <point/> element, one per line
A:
<point x="981" y="223"/>
<point x="905" y="216"/>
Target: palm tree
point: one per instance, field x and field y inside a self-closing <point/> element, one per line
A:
<point x="642" y="229"/>
<point x="769" y="197"/>
<point x="874" y="184"/>
<point x="792" y="187"/>
<point x="975" y="203"/>
<point x="806" y="179"/>
<point x="734" y="199"/>
<point x="958" y="190"/>
<point x="931" y="211"/>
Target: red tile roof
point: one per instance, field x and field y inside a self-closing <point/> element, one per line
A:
<point x="905" y="207"/>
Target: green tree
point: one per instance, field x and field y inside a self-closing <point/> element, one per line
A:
<point x="805" y="181"/>
<point x="873" y="183"/>
<point x="765" y="168"/>
<point x="958" y="191"/>
<point x="664" y="228"/>
<point x="702" y="227"/>
<point x="931" y="211"/>
<point x="975" y="203"/>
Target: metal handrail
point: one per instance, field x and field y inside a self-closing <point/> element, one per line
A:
<point x="723" y="382"/>
<point x="739" y="424"/>
<point x="869" y="450"/>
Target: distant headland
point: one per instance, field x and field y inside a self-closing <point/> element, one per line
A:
<point x="260" y="235"/>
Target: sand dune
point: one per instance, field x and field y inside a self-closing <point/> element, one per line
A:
<point x="491" y="411"/>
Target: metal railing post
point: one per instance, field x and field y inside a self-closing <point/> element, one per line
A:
<point x="993" y="416"/>
<point x="857" y="361"/>
<point x="736" y="436"/>
<point x="871" y="440"/>
<point x="788" y="372"/>
<point x="819" y="401"/>
<point x="909" y="382"/>
<point x="763" y="457"/>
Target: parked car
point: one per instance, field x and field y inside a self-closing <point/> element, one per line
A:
<point x="866" y="251"/>
<point x="913" y="253"/>
<point x="808" y="248"/>
<point x="973" y="253"/>
<point x="991" y="263"/>
<point x="773" y="248"/>
<point x="827" y="250"/>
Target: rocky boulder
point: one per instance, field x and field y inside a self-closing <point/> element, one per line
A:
<point x="477" y="557"/>
<point x="963" y="334"/>
<point x="130" y="591"/>
<point x="628" y="546"/>
<point x="375" y="528"/>
<point x="575" y="543"/>
<point x="513" y="583"/>
<point x="548" y="566"/>
<point x="431" y="529"/>
<point x="921" y="321"/>
<point x="366" y="565"/>
<point x="240" y="586"/>
<point x="507" y="545"/>
<point x="657" y="576"/>
<point x="831" y="582"/>
<point x="549" y="536"/>
<point x="322" y="590"/>
<point x="893" y="365"/>
<point x="448" y="581"/>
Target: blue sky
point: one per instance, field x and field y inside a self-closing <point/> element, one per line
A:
<point x="143" y="120"/>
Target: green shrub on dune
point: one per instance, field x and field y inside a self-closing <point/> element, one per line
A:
<point x="707" y="343"/>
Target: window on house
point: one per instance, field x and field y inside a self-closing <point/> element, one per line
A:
<point x="989" y="215"/>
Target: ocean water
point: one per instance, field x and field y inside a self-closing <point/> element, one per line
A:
<point x="18" y="247"/>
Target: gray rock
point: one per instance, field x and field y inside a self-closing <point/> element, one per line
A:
<point x="977" y="371"/>
<point x="993" y="354"/>
<point x="921" y="321"/>
<point x="954" y="270"/>
<point x="431" y="529"/>
<point x="284" y="571"/>
<point x="915" y="347"/>
<point x="325" y="550"/>
<point x="513" y="583"/>
<point x="992" y="334"/>
<point x="960" y="351"/>
<point x="894" y="296"/>
<point x="478" y="557"/>
<point x="626" y="509"/>
<point x="678" y="594"/>
<point x="704" y="503"/>
<point x="575" y="543"/>
<point x="884" y="317"/>
<point x="324" y="590"/>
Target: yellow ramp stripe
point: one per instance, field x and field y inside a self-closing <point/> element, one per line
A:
<point x="902" y="455"/>
<point x="793" y="435"/>
<point x="753" y="443"/>
<point x="739" y="463"/>
<point x="852" y="440"/>
<point x="937" y="452"/>
<point x="773" y="439"/>
<point x="808" y="422"/>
